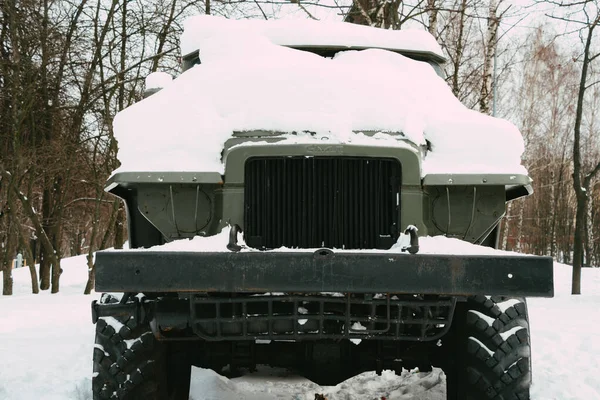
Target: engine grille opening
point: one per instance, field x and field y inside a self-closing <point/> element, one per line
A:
<point x="311" y="202"/>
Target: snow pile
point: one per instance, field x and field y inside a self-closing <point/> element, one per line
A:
<point x="248" y="82"/>
<point x="564" y="339"/>
<point x="276" y="384"/>
<point x="46" y="340"/>
<point x="46" y="345"/>
<point x="427" y="245"/>
<point x="308" y="32"/>
<point x="214" y="243"/>
<point x="158" y="80"/>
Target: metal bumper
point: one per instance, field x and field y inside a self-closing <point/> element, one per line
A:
<point x="323" y="271"/>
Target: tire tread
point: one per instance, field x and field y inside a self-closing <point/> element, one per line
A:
<point x="505" y="374"/>
<point x="123" y="372"/>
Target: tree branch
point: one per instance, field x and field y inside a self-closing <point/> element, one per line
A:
<point x="592" y="84"/>
<point x="305" y="10"/>
<point x="362" y="11"/>
<point x="86" y="199"/>
<point x="261" y="10"/>
<point x="588" y="178"/>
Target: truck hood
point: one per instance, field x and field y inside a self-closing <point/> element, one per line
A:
<point x="246" y="83"/>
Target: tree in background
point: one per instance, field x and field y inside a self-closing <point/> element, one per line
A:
<point x="543" y="99"/>
<point x="583" y="174"/>
<point x="64" y="74"/>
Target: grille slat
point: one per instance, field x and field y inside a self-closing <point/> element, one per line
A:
<point x="335" y="202"/>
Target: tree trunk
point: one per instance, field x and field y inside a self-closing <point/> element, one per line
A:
<point x="90" y="257"/>
<point x="553" y="243"/>
<point x="581" y="181"/>
<point x="9" y="247"/>
<point x="459" y="49"/>
<point x="568" y="247"/>
<point x="45" y="265"/>
<point x="376" y="13"/>
<point x="56" y="272"/>
<point x="433" y="18"/>
<point x="26" y="246"/>
<point x="91" y="282"/>
<point x="52" y="256"/>
<point x="589" y="234"/>
<point x="506" y="227"/>
<point x="7" y="280"/>
<point x="486" y="96"/>
<point x="77" y="244"/>
<point x="578" y="244"/>
<point x="6" y="264"/>
<point x="519" y="237"/>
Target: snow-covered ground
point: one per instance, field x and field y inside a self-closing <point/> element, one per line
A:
<point x="46" y="346"/>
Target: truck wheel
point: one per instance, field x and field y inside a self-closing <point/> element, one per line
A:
<point x="490" y="352"/>
<point x="130" y="364"/>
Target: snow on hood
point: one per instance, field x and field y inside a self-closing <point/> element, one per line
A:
<point x="427" y="245"/>
<point x="247" y="82"/>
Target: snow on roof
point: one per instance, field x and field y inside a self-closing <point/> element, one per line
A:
<point x="158" y="80"/>
<point x="246" y="82"/>
<point x="296" y="33"/>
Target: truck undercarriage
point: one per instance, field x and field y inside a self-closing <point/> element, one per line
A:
<point x="231" y="311"/>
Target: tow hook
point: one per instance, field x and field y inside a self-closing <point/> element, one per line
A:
<point x="133" y="308"/>
<point x="414" y="239"/>
<point x="233" y="238"/>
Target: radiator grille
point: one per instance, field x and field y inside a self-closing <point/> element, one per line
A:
<point x="311" y="202"/>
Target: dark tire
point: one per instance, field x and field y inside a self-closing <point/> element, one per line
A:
<point x="489" y="355"/>
<point x="130" y="364"/>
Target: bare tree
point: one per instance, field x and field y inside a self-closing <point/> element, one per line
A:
<point x="489" y="56"/>
<point x="589" y="11"/>
<point x="383" y="14"/>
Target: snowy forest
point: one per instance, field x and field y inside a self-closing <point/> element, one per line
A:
<point x="68" y="67"/>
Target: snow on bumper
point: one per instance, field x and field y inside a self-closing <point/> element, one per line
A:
<point x="323" y="271"/>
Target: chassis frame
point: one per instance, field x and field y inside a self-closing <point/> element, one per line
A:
<point x="243" y="308"/>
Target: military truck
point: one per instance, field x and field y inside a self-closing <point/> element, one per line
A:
<point x="320" y="269"/>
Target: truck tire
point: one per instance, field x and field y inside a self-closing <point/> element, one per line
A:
<point x="130" y="364"/>
<point x="490" y="352"/>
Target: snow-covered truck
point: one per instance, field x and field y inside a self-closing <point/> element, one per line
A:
<point x="311" y="195"/>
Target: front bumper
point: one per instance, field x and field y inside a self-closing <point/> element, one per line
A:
<point x="323" y="271"/>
